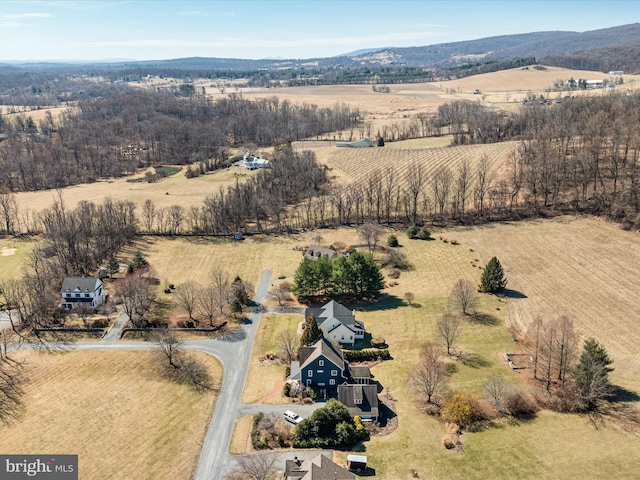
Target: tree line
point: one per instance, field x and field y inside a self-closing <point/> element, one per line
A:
<point x="125" y="129"/>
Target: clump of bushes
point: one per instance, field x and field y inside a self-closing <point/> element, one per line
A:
<point x="394" y="273"/>
<point x="268" y="431"/>
<point x="417" y="232"/>
<point x="392" y="241"/>
<point x="378" y="343"/>
<point x="366" y="355"/>
<point x="396" y="259"/>
<point x="329" y="427"/>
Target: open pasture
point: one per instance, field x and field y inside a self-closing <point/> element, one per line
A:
<point x="115" y="411"/>
<point x="13" y="252"/>
<point x="585" y="268"/>
<point x="173" y="190"/>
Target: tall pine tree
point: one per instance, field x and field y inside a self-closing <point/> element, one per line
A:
<point x="592" y="374"/>
<point x="311" y="333"/>
<point x="493" y="279"/>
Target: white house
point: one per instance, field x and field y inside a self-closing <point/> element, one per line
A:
<point x="253" y="162"/>
<point x="78" y="291"/>
<point x="338" y="323"/>
<point x="595" y="83"/>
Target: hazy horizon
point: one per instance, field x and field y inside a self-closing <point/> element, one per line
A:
<point x="157" y="30"/>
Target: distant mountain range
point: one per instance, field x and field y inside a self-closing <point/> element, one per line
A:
<point x="557" y="47"/>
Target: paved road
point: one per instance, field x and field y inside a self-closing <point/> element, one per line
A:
<point x="214" y="456"/>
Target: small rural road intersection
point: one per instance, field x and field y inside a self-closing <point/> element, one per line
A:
<point x="234" y="351"/>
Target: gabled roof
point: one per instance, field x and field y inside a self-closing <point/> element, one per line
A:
<point x="333" y="310"/>
<point x="360" y="371"/>
<point x="347" y="394"/>
<point x="322" y="347"/>
<point x="82" y="284"/>
<point x="317" y="468"/>
<point x="315" y="251"/>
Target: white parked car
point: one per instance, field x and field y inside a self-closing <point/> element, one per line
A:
<point x="292" y="417"/>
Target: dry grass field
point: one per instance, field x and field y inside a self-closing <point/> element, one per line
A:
<point x="349" y="161"/>
<point x="173" y="190"/>
<point x="115" y="411"/>
<point x="585" y="268"/>
<point x="549" y="446"/>
<point x="265" y="376"/>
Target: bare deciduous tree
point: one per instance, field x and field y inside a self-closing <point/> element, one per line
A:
<point x="187" y="296"/>
<point x="257" y="466"/>
<point x="370" y="233"/>
<point x="429" y="378"/>
<point x="464" y="297"/>
<point x="448" y="330"/>
<point x="280" y="292"/>
<point x="287" y="344"/>
<point x="430" y="351"/>
<point x="221" y="289"/>
<point x="137" y="296"/>
<point x="496" y="389"/>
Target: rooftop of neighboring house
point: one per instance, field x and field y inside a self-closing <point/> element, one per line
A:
<point x="80" y="284"/>
<point x="361" y="400"/>
<point x="315" y="251"/>
<point x="317" y="468"/>
<point x="334" y="310"/>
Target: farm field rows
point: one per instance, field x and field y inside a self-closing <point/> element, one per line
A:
<point x="356" y="163"/>
<point x="115" y="411"/>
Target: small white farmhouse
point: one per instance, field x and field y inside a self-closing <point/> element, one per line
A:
<point x="78" y="291"/>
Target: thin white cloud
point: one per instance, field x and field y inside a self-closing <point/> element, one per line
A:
<point x="26" y="15"/>
<point x="5" y="24"/>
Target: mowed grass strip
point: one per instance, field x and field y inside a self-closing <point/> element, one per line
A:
<point x="262" y="379"/>
<point x="240" y="437"/>
<point x="115" y="411"/>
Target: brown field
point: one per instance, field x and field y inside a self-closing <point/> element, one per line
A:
<point x="115" y="411"/>
<point x="349" y="161"/>
<point x="36" y="114"/>
<point x="173" y="190"/>
<point x="12" y="255"/>
<point x="585" y="268"/>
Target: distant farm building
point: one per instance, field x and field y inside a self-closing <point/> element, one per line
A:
<point x="616" y="72"/>
<point x="314" y="252"/>
<point x="365" y="142"/>
<point x="595" y="83"/>
<point x="252" y="162"/>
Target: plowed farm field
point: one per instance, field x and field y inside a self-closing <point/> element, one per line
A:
<point x="357" y="163"/>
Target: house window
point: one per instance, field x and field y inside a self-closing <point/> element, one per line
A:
<point x="77" y="295"/>
<point x="350" y="337"/>
<point x="86" y="295"/>
<point x="321" y="384"/>
<point x="334" y="373"/>
<point x="357" y="401"/>
<point x="320" y="372"/>
<point x="332" y="381"/>
<point x="308" y="381"/>
<point x="321" y="363"/>
<point x="310" y="373"/>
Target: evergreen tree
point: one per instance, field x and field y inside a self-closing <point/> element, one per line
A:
<point x="305" y="283"/>
<point x="113" y="266"/>
<point x="311" y="333"/>
<point x="592" y="373"/>
<point x="493" y="279"/>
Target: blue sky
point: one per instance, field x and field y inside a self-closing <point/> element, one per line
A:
<point x="148" y="29"/>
